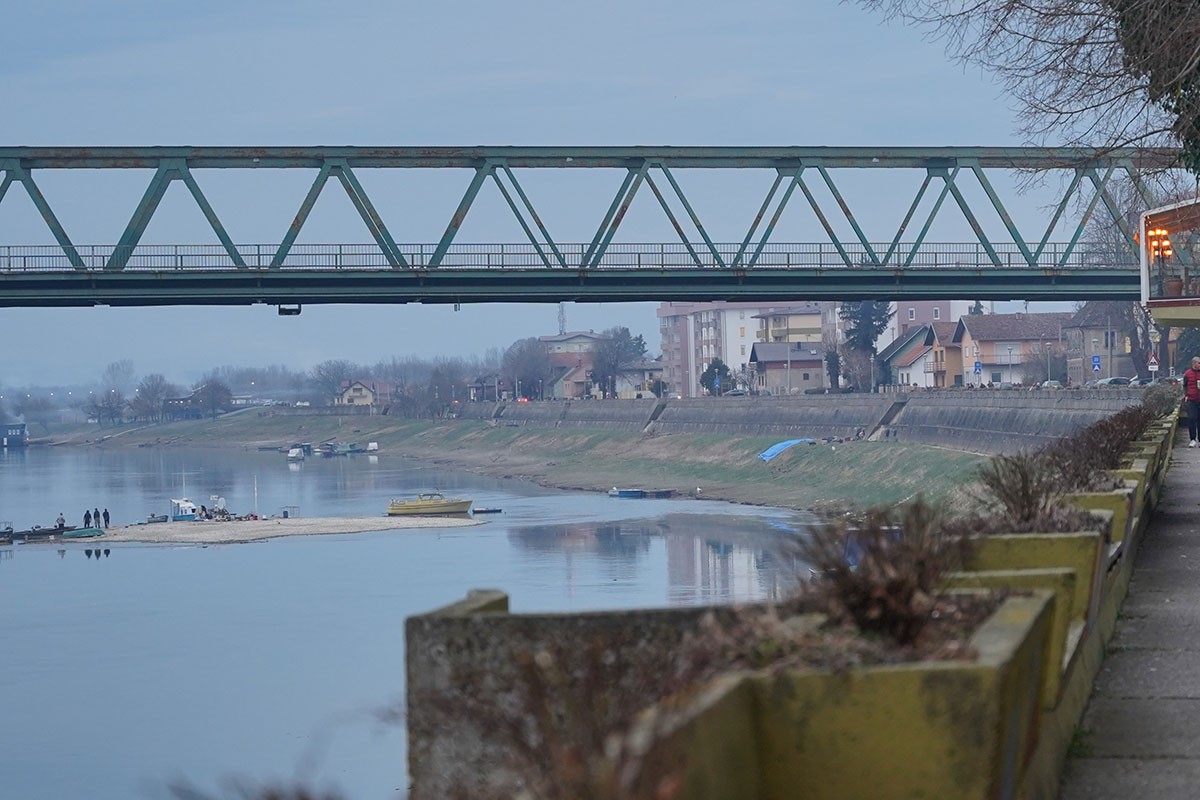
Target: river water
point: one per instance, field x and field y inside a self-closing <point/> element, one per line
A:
<point x="127" y="667"/>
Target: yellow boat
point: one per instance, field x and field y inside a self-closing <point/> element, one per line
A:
<point x="428" y="504"/>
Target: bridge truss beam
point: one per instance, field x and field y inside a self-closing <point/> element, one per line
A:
<point x="718" y="271"/>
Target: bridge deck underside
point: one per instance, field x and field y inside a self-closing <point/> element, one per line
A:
<point x="289" y="286"/>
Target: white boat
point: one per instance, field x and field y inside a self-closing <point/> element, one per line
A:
<point x="295" y="454"/>
<point x="183" y="510"/>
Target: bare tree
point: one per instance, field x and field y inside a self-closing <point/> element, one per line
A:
<point x="1087" y="72"/>
<point x="328" y="376"/>
<point x="147" y="402"/>
<point x="527" y="364"/>
<point x="118" y="375"/>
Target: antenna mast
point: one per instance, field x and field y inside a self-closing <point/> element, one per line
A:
<point x="562" y="318"/>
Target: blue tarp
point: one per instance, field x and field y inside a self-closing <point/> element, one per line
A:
<point x="776" y="449"/>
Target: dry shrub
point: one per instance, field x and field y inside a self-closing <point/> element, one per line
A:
<point x="1162" y="399"/>
<point x="882" y="569"/>
<point x="1022" y="488"/>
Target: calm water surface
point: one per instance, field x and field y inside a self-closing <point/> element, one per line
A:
<point x="125" y="668"/>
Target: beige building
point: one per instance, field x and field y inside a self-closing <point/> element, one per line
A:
<point x="365" y="393"/>
<point x="694" y="334"/>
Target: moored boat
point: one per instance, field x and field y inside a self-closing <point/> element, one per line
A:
<point x="632" y="493"/>
<point x="427" y="504"/>
<point x="295" y="454"/>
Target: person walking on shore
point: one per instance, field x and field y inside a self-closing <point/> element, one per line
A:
<point x="87" y="519"/>
<point x="106" y="517"/>
<point x="1191" y="400"/>
<point x="96" y="516"/>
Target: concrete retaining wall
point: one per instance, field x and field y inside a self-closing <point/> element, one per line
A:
<point x="541" y="415"/>
<point x="629" y="415"/>
<point x="477" y="410"/>
<point x="1002" y="422"/>
<point x="471" y="652"/>
<point x="991" y="421"/>
<point x="814" y="416"/>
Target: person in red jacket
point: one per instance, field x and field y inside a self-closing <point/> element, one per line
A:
<point x="1191" y="400"/>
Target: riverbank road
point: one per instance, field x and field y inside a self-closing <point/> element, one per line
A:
<point x="1140" y="734"/>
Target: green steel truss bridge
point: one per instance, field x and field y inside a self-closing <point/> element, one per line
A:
<point x="1019" y="265"/>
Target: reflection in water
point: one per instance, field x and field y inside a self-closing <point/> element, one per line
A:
<point x="708" y="559"/>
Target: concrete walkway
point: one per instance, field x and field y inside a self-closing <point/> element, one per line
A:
<point x="1140" y="734"/>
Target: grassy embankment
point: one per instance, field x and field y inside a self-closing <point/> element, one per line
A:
<point x="723" y="467"/>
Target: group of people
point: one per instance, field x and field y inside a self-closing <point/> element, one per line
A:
<point x="90" y="519"/>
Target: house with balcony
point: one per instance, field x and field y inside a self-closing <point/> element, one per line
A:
<point x="1001" y="349"/>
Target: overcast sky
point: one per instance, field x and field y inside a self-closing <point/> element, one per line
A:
<point x="525" y="72"/>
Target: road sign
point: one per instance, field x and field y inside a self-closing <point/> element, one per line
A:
<point x="1095" y="363"/>
<point x="978" y="367"/>
<point x="1153" y="367"/>
<point x="1152" y="361"/>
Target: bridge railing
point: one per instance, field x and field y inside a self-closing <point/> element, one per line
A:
<point x="632" y="256"/>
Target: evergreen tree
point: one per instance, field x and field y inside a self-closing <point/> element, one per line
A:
<point x="717" y="379"/>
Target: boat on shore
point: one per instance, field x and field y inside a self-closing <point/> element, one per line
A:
<point x="36" y="533"/>
<point x="429" y="504"/>
<point x="183" y="510"/>
<point x="83" y="533"/>
<point x="295" y="454"/>
<point x="638" y="494"/>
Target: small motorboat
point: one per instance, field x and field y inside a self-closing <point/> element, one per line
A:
<point x="487" y="511"/>
<point x="295" y="454"/>
<point x="428" y="504"/>
<point x="152" y="518"/>
<point x="630" y="493"/>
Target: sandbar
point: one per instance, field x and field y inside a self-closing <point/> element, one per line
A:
<point x="221" y="532"/>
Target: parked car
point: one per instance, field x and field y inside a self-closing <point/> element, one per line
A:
<point x="736" y="393"/>
<point x="1052" y="384"/>
<point x="1114" y="381"/>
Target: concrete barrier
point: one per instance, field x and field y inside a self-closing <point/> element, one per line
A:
<point x="630" y="415"/>
<point x="481" y="411"/>
<point x="814" y="416"/>
<point x="546" y="414"/>
<point x="1002" y="421"/>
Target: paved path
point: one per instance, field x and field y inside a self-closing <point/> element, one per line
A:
<point x="1140" y="734"/>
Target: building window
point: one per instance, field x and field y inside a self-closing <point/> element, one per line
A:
<point x="937" y="313"/>
<point x="741" y="332"/>
<point x="804" y="376"/>
<point x="743" y="349"/>
<point x="912" y="313"/>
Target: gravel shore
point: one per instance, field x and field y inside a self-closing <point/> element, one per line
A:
<point x="212" y="532"/>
